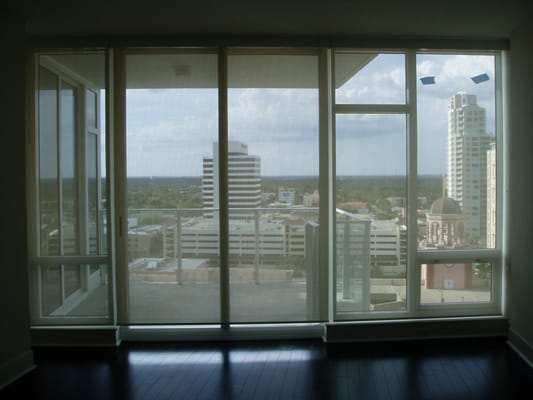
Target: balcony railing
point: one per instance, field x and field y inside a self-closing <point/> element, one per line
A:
<point x="267" y="246"/>
<point x="261" y="241"/>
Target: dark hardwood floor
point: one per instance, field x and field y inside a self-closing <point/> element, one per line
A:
<point x="437" y="369"/>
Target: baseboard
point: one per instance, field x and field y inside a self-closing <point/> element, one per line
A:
<point x="75" y="336"/>
<point x="15" y="368"/>
<point x="416" y="329"/>
<point x="233" y="333"/>
<point x="520" y="346"/>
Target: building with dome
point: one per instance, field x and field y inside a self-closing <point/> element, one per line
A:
<point x="445" y="224"/>
<point x="446" y="229"/>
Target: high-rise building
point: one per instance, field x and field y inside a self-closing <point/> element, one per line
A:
<point x="244" y="178"/>
<point x="468" y="142"/>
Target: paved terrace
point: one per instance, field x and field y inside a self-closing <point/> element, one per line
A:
<point x="168" y="302"/>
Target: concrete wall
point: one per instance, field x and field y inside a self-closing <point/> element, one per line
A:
<point x="520" y="107"/>
<point x="15" y="354"/>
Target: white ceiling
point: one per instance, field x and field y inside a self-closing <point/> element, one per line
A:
<point x="281" y="18"/>
<point x="200" y="70"/>
<point x="274" y="21"/>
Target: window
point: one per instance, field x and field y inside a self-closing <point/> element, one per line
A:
<point x="459" y="225"/>
<point x="266" y="186"/>
<point x="273" y="120"/>
<point x="171" y="128"/>
<point x="371" y="184"/>
<point x="69" y="266"/>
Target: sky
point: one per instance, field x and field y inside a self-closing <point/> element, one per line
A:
<point x="169" y="131"/>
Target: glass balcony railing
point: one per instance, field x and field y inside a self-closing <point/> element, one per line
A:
<point x="273" y="265"/>
<point x="174" y="262"/>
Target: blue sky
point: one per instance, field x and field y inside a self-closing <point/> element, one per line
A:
<point x="170" y="130"/>
<point x="452" y="74"/>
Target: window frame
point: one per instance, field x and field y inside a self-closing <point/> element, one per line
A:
<point x="80" y="258"/>
<point x="406" y="109"/>
<point x="115" y="259"/>
<point x="490" y="255"/>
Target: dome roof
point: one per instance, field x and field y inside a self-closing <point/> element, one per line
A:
<point x="445" y="205"/>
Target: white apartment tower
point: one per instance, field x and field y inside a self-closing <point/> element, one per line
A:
<point x="468" y="142"/>
<point x="244" y="178"/>
<point x="287" y="195"/>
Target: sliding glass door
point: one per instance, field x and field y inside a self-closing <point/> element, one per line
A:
<point x="173" y="263"/>
<point x="174" y="185"/>
<point x="273" y="197"/>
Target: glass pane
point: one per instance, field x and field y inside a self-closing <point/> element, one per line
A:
<point x="69" y="198"/>
<point x="369" y="78"/>
<point x="371" y="242"/>
<point x="75" y="290"/>
<point x="92" y="107"/>
<point x="66" y="198"/>
<point x="456" y="151"/>
<point x="48" y="158"/>
<point x="67" y="175"/>
<point x="93" y="193"/>
<point x="72" y="279"/>
<point x="273" y="187"/>
<point x="172" y="123"/>
<point x="51" y="288"/>
<point x="456" y="283"/>
<point x="101" y="183"/>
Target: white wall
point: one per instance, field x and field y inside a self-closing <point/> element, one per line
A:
<point x="15" y="354"/>
<point x="520" y="293"/>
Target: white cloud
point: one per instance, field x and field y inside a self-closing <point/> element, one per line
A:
<point x="452" y="74"/>
<point x="280" y="114"/>
<point x="170" y="130"/>
<point x="279" y="125"/>
<point x="371" y="155"/>
<point x="371" y="144"/>
<point x="381" y="81"/>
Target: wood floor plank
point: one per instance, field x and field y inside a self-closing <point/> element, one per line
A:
<point x="446" y="369"/>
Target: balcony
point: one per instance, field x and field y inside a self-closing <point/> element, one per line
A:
<point x="273" y="267"/>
